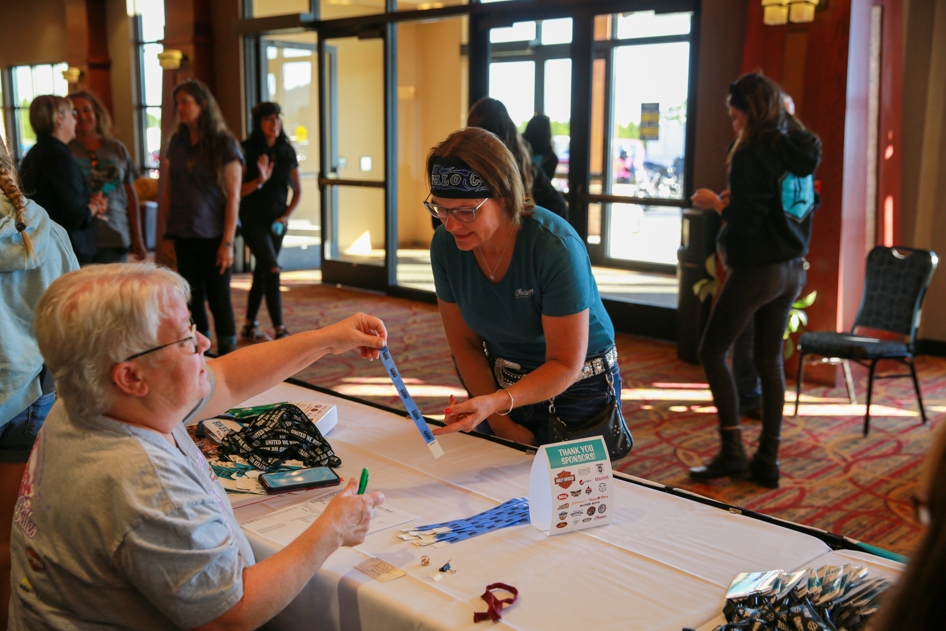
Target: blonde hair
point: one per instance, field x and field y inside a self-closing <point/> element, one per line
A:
<point x="11" y="190"/>
<point x="93" y="318"/>
<point x="103" y="120"/>
<point x="45" y="111"/>
<point x="489" y="158"/>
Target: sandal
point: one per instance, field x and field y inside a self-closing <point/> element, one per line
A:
<point x="281" y="332"/>
<point x="254" y="334"/>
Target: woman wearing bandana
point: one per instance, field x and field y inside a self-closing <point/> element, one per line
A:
<point x="764" y="240"/>
<point x="515" y="281"/>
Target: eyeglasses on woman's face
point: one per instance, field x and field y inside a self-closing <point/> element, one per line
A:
<point x="191" y="336"/>
<point x="464" y="214"/>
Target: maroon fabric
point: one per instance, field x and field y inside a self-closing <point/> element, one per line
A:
<point x="495" y="604"/>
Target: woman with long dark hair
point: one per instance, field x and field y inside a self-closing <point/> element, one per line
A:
<point x="271" y="171"/>
<point x="538" y="134"/>
<point x="202" y="198"/>
<point x="491" y="115"/>
<point x="766" y="232"/>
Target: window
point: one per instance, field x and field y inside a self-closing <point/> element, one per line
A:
<point x="28" y="82"/>
<point x="149" y="30"/>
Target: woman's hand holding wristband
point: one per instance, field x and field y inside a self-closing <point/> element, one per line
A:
<point x="512" y="402"/>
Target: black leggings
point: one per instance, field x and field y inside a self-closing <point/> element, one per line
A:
<point x="265" y="247"/>
<point x="197" y="263"/>
<point x="763" y="295"/>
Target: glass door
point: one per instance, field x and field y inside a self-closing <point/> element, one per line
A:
<point x="291" y="79"/>
<point x="640" y="97"/>
<point x="353" y="161"/>
<point x="530" y="71"/>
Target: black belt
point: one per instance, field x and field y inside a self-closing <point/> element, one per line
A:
<point x="46" y="380"/>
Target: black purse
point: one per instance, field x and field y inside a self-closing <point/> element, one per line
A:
<point x="608" y="423"/>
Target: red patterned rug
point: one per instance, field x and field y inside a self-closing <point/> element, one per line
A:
<point x="832" y="477"/>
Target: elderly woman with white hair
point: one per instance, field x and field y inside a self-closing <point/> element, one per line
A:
<point x="120" y="521"/>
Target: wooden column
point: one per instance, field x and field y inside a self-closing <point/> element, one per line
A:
<point x="87" y="47"/>
<point x="188" y="29"/>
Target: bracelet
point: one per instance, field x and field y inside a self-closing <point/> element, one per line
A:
<point x="512" y="403"/>
<point x="229" y="244"/>
<point x="260" y="183"/>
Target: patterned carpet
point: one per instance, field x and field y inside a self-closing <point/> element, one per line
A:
<point x="832" y="477"/>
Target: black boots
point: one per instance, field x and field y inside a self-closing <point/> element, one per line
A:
<point x="729" y="462"/>
<point x="764" y="465"/>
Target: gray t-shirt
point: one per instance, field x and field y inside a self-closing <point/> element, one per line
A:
<point x="117" y="528"/>
<point x="108" y="169"/>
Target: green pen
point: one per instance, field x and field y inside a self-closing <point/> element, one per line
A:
<point x="363" y="483"/>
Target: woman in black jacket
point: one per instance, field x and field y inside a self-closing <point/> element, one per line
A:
<point x="52" y="179"/>
<point x="271" y="171"/>
<point x="491" y="115"/>
<point x="538" y="134"/>
<point x="766" y="232"/>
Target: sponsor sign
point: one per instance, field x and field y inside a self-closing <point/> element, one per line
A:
<point x="562" y="465"/>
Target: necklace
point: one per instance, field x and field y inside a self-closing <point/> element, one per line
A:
<point x="492" y="272"/>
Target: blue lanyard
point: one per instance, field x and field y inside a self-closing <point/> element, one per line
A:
<point x="409" y="404"/>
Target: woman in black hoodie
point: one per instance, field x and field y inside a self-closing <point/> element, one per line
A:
<point x="766" y="232"/>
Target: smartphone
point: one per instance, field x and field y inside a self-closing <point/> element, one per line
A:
<point x="313" y="478"/>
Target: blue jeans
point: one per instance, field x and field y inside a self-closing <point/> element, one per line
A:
<point x="19" y="433"/>
<point x="763" y="295"/>
<point x="576" y="405"/>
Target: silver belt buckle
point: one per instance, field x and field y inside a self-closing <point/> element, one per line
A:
<point x="598" y="365"/>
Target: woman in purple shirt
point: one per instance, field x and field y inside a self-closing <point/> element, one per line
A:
<point x="201" y="202"/>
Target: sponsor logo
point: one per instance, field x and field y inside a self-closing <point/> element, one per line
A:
<point x="561" y="524"/>
<point x="563" y="515"/>
<point x="600" y="468"/>
<point x="602" y="508"/>
<point x="602" y="487"/>
<point x="563" y="496"/>
<point x="576" y="513"/>
<point x="564" y="479"/>
<point x="576" y="493"/>
<point x="603" y="477"/>
<point x="591" y="511"/>
<point x="586" y="520"/>
<point x="588" y="490"/>
<point x="584" y="471"/>
<point x="563" y="506"/>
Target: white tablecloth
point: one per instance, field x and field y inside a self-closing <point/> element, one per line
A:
<point x="664" y="562"/>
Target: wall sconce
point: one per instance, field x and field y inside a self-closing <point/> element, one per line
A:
<point x="778" y="12"/>
<point x="72" y="74"/>
<point x="171" y="59"/>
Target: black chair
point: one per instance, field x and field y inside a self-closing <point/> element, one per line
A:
<point x="894" y="287"/>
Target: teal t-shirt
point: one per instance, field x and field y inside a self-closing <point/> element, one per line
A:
<point x="550" y="274"/>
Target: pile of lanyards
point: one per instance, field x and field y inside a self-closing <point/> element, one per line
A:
<point x="280" y="433"/>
